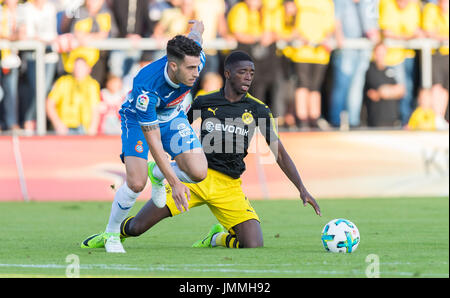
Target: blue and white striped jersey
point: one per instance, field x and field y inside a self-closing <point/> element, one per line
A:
<point x="154" y="97"/>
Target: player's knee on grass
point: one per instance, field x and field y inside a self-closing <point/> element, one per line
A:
<point x="249" y="234"/>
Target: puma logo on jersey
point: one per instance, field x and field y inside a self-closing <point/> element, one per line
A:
<point x="213" y="111"/>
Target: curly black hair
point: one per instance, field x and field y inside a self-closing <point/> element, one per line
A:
<point x="181" y="46"/>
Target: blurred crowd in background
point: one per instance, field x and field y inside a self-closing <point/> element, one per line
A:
<point x="312" y="82"/>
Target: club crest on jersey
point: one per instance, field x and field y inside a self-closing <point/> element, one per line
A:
<point x="142" y="102"/>
<point x="139" y="147"/>
<point x="247" y="118"/>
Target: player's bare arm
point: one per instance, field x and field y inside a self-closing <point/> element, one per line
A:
<point x="153" y="136"/>
<point x="289" y="169"/>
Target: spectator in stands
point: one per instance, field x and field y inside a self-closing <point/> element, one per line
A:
<point x="284" y="103"/>
<point x="1" y="89"/>
<point x="276" y="16"/>
<point x="40" y="24"/>
<point x="248" y="22"/>
<point x="67" y="12"/>
<point x="146" y="58"/>
<point x="314" y="29"/>
<point x="354" y="19"/>
<point x="400" y="20"/>
<point x="133" y="23"/>
<point x="156" y="8"/>
<point x="72" y="104"/>
<point x="174" y="21"/>
<point x="229" y="4"/>
<point x="9" y="64"/>
<point x="382" y="92"/>
<point x="435" y="24"/>
<point x="212" y="81"/>
<point x="94" y="22"/>
<point x="424" y="116"/>
<point x="212" y="13"/>
<point x="112" y="97"/>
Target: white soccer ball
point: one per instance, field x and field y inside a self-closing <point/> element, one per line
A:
<point x="340" y="235"/>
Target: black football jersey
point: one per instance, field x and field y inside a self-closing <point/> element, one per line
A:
<point x="228" y="127"/>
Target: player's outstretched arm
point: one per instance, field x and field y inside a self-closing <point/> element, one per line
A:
<point x="196" y="31"/>
<point x="288" y="167"/>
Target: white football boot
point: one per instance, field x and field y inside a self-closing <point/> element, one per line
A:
<point x="113" y="243"/>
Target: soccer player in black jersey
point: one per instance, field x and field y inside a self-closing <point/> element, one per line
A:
<point x="229" y="119"/>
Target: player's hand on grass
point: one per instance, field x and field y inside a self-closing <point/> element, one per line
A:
<point x="181" y="195"/>
<point x="308" y="199"/>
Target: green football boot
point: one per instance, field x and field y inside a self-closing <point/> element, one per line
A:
<point x="153" y="179"/>
<point x="158" y="195"/>
<point x="206" y="242"/>
<point x="97" y="240"/>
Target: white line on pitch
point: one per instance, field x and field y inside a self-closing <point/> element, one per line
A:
<point x="221" y="268"/>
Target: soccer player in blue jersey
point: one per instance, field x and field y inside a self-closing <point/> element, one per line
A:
<point x="153" y="119"/>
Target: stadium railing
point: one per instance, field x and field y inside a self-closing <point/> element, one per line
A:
<point x="107" y="44"/>
<point x="424" y="45"/>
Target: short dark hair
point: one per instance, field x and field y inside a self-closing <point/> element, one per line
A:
<point x="181" y="46"/>
<point x="237" y="56"/>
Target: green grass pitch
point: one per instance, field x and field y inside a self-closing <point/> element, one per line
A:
<point x="410" y="237"/>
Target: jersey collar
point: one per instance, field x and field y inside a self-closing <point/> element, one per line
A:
<point x="222" y="92"/>
<point x="168" y="80"/>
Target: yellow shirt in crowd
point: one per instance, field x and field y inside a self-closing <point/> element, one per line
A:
<point x="269" y="19"/>
<point x="243" y="20"/>
<point x="75" y="100"/>
<point x="279" y="23"/>
<point x="435" y="20"/>
<point x="403" y="22"/>
<point x="85" y="25"/>
<point x="272" y="15"/>
<point x="314" y="22"/>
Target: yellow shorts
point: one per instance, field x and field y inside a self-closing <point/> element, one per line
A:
<point x="224" y="197"/>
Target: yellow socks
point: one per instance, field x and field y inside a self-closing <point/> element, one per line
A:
<point x="226" y="240"/>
